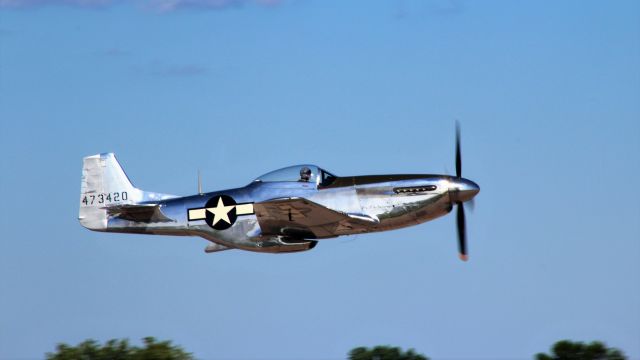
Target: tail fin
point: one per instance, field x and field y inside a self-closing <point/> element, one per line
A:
<point x="105" y="184"/>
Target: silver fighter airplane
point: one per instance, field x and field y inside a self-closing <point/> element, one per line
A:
<point x="286" y="210"/>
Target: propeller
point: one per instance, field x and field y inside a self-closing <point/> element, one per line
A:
<point x="460" y="219"/>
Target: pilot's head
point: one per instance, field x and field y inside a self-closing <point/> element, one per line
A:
<point x="305" y="174"/>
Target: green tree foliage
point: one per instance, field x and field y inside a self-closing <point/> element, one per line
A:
<point x="569" y="350"/>
<point x="120" y="350"/>
<point x="384" y="353"/>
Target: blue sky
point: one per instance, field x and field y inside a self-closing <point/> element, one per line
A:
<point x="548" y="95"/>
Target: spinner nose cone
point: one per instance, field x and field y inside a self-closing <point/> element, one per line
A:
<point x="462" y="190"/>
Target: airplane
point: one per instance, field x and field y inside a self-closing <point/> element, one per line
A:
<point x="286" y="210"/>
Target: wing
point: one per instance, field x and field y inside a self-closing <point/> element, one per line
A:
<point x="301" y="218"/>
<point x="146" y="213"/>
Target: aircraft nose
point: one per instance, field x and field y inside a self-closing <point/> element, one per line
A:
<point x="462" y="189"/>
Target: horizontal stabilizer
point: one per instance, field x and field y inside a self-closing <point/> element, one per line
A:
<point x="213" y="247"/>
<point x="365" y="218"/>
<point x="146" y="213"/>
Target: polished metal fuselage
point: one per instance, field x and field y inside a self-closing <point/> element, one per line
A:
<point x="373" y="197"/>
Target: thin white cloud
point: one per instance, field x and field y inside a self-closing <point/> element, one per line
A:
<point x="447" y="7"/>
<point x="39" y="3"/>
<point x="172" y="5"/>
<point x="188" y="70"/>
<point x="156" y="5"/>
<point x="162" y="70"/>
<point x="113" y="52"/>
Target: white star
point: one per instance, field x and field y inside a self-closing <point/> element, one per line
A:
<point x="220" y="212"/>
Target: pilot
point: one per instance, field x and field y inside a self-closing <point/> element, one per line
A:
<point x="305" y="174"/>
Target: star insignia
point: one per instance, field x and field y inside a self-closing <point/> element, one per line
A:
<point x="220" y="212"/>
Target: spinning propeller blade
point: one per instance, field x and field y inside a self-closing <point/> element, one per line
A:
<point x="462" y="233"/>
<point x="460" y="218"/>
<point x="458" y="155"/>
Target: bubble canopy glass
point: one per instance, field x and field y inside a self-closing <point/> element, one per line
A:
<point x="295" y="173"/>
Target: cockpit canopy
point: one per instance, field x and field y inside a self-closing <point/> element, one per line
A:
<point x="302" y="173"/>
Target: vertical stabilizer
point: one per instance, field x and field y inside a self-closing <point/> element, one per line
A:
<point x="105" y="184"/>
